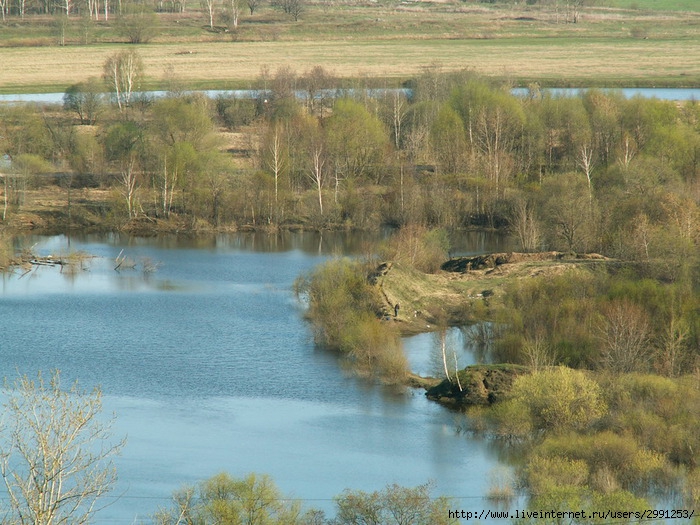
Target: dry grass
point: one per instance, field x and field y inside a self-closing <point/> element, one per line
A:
<point x="235" y="62"/>
<point x="522" y="44"/>
<point x="454" y="298"/>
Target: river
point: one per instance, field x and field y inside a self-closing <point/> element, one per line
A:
<point x="208" y="366"/>
<point x="678" y="94"/>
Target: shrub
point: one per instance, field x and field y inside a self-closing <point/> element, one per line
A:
<point x="542" y="474"/>
<point x="660" y="412"/>
<point x="558" y="400"/>
<point x="344" y="307"/>
<point x="618" y="458"/>
<point x="418" y="247"/>
<point x="392" y="505"/>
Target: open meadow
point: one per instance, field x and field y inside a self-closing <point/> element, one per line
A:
<point x="390" y="42"/>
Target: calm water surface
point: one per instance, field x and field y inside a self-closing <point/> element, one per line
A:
<point x="208" y="366"/>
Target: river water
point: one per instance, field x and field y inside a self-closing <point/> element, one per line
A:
<point x="679" y="94"/>
<point x="208" y="366"/>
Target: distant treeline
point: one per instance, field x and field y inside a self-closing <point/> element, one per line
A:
<point x="595" y="172"/>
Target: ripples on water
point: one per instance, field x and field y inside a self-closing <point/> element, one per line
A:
<point x="209" y="366"/>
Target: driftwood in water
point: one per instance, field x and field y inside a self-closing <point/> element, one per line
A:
<point x="28" y="260"/>
<point x="123" y="262"/>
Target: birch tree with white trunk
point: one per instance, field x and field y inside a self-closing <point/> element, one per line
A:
<point x="122" y="73"/>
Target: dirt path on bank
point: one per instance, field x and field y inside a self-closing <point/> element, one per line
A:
<point x="467" y="286"/>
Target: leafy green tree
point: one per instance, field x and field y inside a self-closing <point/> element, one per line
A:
<point x="567" y="129"/>
<point x="448" y="140"/>
<point x="23" y="130"/>
<point x="494" y="121"/>
<point x="124" y="146"/>
<point x="394" y="505"/>
<point x="604" y="116"/>
<point x="251" y="500"/>
<point x="641" y="118"/>
<point x="214" y="182"/>
<point x="26" y="167"/>
<point x="357" y="141"/>
<point x="180" y="163"/>
<point x="184" y="147"/>
<point x="87" y="156"/>
<point x="86" y="99"/>
<point x="417" y="247"/>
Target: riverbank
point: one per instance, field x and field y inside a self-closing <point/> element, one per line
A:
<point x="465" y="291"/>
<point x="53" y="210"/>
<point x="466" y="287"/>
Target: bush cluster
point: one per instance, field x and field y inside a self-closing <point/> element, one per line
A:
<point x="346" y="313"/>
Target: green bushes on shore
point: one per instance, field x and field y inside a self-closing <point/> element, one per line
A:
<point x="607" y="319"/>
<point x="256" y="500"/>
<point x="593" y="434"/>
<point x="345" y="310"/>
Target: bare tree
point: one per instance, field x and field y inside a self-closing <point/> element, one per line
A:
<point x="136" y="22"/>
<point x="315" y="81"/>
<point x="526" y="226"/>
<point x="276" y="161"/>
<point x="122" y="73"/>
<point x="168" y="183"/>
<point x="585" y="162"/>
<point x="234" y="13"/>
<point x="673" y="348"/>
<point x="296" y="8"/>
<point x="93" y="7"/>
<point x="5" y="199"/>
<point x="59" y="25"/>
<point x="538" y="353"/>
<point x="400" y="108"/>
<point x="572" y="9"/>
<point x="66" y="6"/>
<point x="55" y="452"/>
<point x="86" y="99"/>
<point x="443" y="349"/>
<point x="253" y="5"/>
<point x="208" y="6"/>
<point x="625" y="333"/>
<point x="291" y="7"/>
<point x="317" y="173"/>
<point x="128" y="179"/>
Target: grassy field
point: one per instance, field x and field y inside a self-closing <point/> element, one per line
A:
<point x="656" y="5"/>
<point x="612" y="47"/>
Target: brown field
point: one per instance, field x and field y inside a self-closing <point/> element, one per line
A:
<point x="615" y="47"/>
<point x="219" y="63"/>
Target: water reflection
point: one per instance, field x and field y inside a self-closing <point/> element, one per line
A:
<point x="463" y="347"/>
<point x="308" y="242"/>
